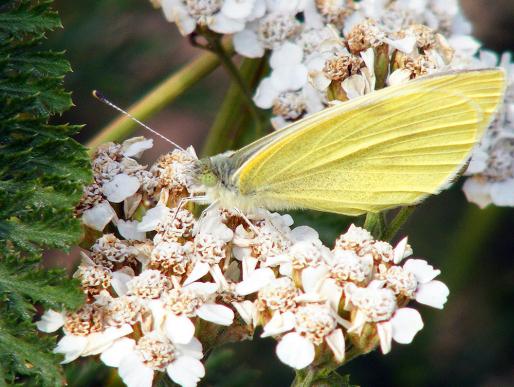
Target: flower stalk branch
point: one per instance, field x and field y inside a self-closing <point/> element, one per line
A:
<point x="215" y="46"/>
<point x="229" y="122"/>
<point x="398" y="221"/>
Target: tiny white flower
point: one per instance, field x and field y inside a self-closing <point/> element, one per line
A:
<point x="85" y="333"/>
<point x="154" y="217"/>
<point x="121" y="187"/>
<point x="137" y="362"/>
<point x="312" y="326"/>
<point x="99" y="216"/>
<point x="135" y="146"/>
<point x="50" y="321"/>
<point x="128" y="229"/>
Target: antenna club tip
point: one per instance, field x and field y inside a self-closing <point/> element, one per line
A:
<point x="98" y="95"/>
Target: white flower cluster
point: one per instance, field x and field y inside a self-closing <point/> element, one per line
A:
<point x="492" y="165"/>
<point x="333" y="50"/>
<point x="161" y="284"/>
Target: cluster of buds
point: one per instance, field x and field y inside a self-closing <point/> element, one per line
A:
<point x="324" y="51"/>
<point x="162" y="285"/>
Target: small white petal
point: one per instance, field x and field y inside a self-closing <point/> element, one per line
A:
<point x="369" y="58"/>
<point x="223" y="24"/>
<point x="478" y="162"/>
<point x="279" y="323"/>
<point x="336" y="343"/>
<point x="128" y="230"/>
<point x="256" y="280"/>
<point x="113" y="355"/>
<point x="100" y="341"/>
<point x="477" y="191"/>
<point x="332" y="293"/>
<point x="421" y="270"/>
<point x="405" y="45"/>
<point x="71" y="347"/>
<point x="199" y="270"/>
<point x="120" y="279"/>
<point x="354" y="86"/>
<point x="287" y="55"/>
<point x="401" y="251"/>
<point x="398" y="77"/>
<point x="186" y="371"/>
<point x="134" y="373"/>
<point x="246" y="310"/>
<point x="433" y="293"/>
<point x="247" y="44"/>
<point x="312" y="277"/>
<point x="258" y="11"/>
<point x="385" y="333"/>
<point x="295" y="351"/>
<point x="464" y="44"/>
<point x="121" y="187"/>
<point x="177" y="13"/>
<point x="153" y="217"/>
<point x="50" y="321"/>
<point x="287" y="78"/>
<point x="406" y="323"/>
<point x="179" y="329"/>
<point x="98" y="216"/>
<point x="203" y="287"/>
<point x="135" y="147"/>
<point x="319" y="81"/>
<point x="248" y="265"/>
<point x="192" y="349"/>
<point x="502" y="193"/>
<point x="304" y="234"/>
<point x="218" y="314"/>
<point x="131" y="204"/>
<point x="265" y="94"/>
<point x="237" y="9"/>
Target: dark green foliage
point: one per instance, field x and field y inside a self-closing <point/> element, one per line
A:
<point x="42" y="172"/>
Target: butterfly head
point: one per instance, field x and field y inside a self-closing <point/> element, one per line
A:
<point x="205" y="174"/>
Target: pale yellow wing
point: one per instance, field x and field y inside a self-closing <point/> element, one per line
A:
<point x="389" y="148"/>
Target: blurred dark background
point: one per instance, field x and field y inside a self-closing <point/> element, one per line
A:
<point x="124" y="48"/>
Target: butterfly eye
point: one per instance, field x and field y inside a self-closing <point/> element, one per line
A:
<point x="208" y="178"/>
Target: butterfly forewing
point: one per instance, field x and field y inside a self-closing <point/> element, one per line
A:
<point x="389" y="148"/>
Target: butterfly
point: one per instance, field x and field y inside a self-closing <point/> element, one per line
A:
<point x="389" y="148"/>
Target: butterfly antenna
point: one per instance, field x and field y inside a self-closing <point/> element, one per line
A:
<point x="101" y="98"/>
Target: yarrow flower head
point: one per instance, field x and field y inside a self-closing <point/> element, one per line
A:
<point x="158" y="270"/>
<point x="491" y="169"/>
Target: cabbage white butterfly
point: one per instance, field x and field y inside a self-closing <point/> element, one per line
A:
<point x="389" y="148"/>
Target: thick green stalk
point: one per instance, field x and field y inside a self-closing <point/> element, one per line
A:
<point x="397" y="222"/>
<point x="230" y="120"/>
<point x="216" y="46"/>
<point x="375" y="223"/>
<point x="158" y="98"/>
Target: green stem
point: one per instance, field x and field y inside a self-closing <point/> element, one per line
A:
<point x="375" y="223"/>
<point x="216" y="47"/>
<point x="397" y="223"/>
<point x="229" y="120"/>
<point x="158" y="98"/>
<point x="304" y="378"/>
<point x="323" y="375"/>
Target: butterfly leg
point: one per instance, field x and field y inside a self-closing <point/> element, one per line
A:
<point x="206" y="210"/>
<point x="185" y="200"/>
<point x="247" y="221"/>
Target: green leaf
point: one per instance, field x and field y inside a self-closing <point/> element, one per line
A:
<point x="42" y="174"/>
